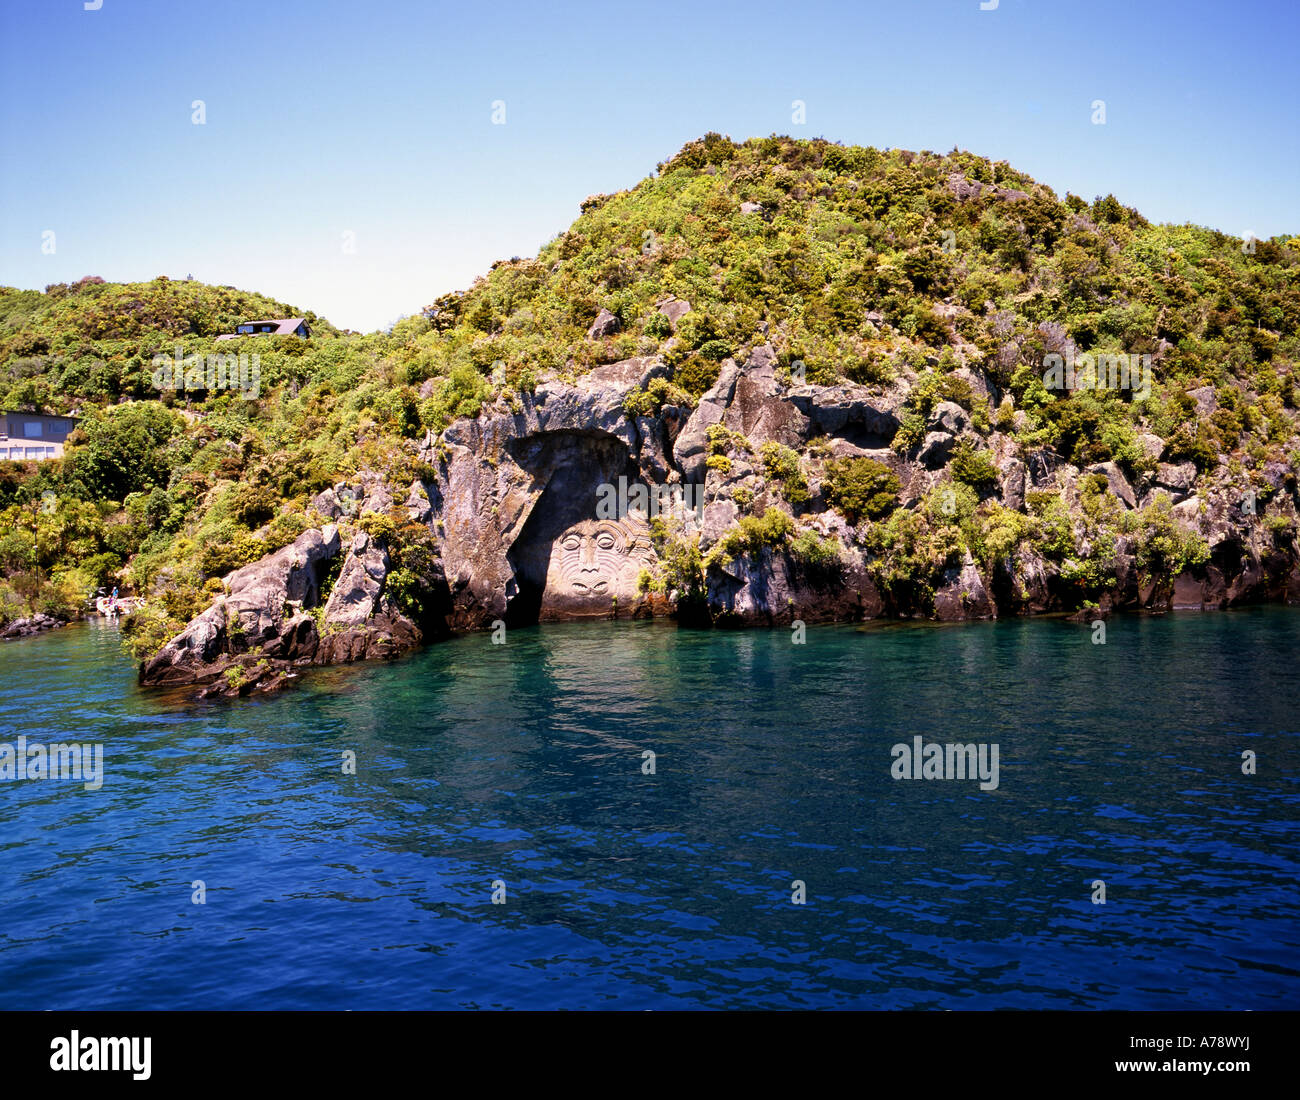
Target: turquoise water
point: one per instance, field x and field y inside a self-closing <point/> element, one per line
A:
<point x="523" y="763"/>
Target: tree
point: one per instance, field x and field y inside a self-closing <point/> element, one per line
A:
<point x="123" y="450"/>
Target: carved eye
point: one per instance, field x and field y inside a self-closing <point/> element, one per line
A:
<point x="571" y="542"/>
<point x="605" y="540"/>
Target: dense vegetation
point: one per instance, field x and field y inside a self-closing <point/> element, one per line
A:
<point x="857" y="264"/>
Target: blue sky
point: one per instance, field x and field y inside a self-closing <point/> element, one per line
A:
<point x="326" y="117"/>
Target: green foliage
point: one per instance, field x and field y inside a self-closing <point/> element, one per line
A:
<point x="381" y="528"/>
<point x="651" y="400"/>
<point x="974" y="468"/>
<point x="1002" y="530"/>
<point x="658" y="326"/>
<point x="1055" y="529"/>
<point x="753" y="534"/>
<point x="680" y="561"/>
<point x="818" y="555"/>
<point x="253" y="505"/>
<point x="697" y="374"/>
<point x="123" y="450"/>
<point x="910" y="552"/>
<point x="861" y="488"/>
<point x="216" y="559"/>
<point x="842" y="272"/>
<point x="782" y="466"/>
<point x="1164" y="547"/>
<point x="462" y="394"/>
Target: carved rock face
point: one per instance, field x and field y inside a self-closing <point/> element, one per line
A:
<point x="593" y="562"/>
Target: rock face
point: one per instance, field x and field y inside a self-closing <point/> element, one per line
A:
<point x="270" y="620"/>
<point x="964" y="595"/>
<point x="360" y="621"/>
<point x="562" y="504"/>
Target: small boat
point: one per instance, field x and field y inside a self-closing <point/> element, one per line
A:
<point x="123" y="605"/>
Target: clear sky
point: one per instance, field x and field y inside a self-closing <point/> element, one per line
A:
<point x="374" y="118"/>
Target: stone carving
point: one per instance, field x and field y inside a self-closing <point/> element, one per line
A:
<point x="594" y="562"/>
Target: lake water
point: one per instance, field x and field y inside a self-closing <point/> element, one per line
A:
<point x="522" y="764"/>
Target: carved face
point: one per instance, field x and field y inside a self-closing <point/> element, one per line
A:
<point x="595" y="560"/>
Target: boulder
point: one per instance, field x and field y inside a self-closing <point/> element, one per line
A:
<point x="361" y="578"/>
<point x="195" y="653"/>
<point x="963" y="595"/>
<point x="262" y="613"/>
<point x="690" y="450"/>
<point x="1207" y="401"/>
<point x="605" y="324"/>
<point x="256" y="594"/>
<point x="360" y="622"/>
<point x="674" y="309"/>
<point x="855" y="413"/>
<point x="772" y="589"/>
<point x="756" y="412"/>
<point x="948" y="416"/>
<point x="1179" y="476"/>
<point x="1152" y="445"/>
<point x="1012" y="472"/>
<point x="1117" y="481"/>
<point x="935" y="450"/>
<point x="33" y="624"/>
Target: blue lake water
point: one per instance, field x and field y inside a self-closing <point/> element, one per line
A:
<point x="523" y="763"/>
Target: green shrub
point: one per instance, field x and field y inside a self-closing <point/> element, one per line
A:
<point x="252" y="505"/>
<point x="680" y="561"/>
<point x="753" y="534"/>
<point x="697" y="374"/>
<point x="659" y="326"/>
<point x="782" y="466"/>
<point x="1164" y="547"/>
<point x="218" y="558"/>
<point x="462" y="394"/>
<point x="861" y="488"/>
<point x="638" y="402"/>
<point x="818" y="554"/>
<point x="973" y="468"/>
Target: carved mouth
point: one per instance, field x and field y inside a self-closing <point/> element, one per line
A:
<point x="599" y="588"/>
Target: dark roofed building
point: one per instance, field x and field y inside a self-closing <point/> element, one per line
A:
<point x="286" y="326"/>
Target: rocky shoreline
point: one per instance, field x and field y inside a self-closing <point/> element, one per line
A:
<point x="33" y="624"/>
<point x="512" y="531"/>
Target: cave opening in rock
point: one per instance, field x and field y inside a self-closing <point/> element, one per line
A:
<point x="567" y="562"/>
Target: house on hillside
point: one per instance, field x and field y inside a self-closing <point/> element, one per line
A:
<point x="286" y="326"/>
<point x="26" y="437"/>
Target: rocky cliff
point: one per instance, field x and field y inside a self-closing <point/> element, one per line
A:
<point x="579" y="501"/>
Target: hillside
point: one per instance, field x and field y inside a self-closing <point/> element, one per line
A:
<point x="843" y="348"/>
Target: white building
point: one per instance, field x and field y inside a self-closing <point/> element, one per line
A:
<point x="26" y="437"/>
